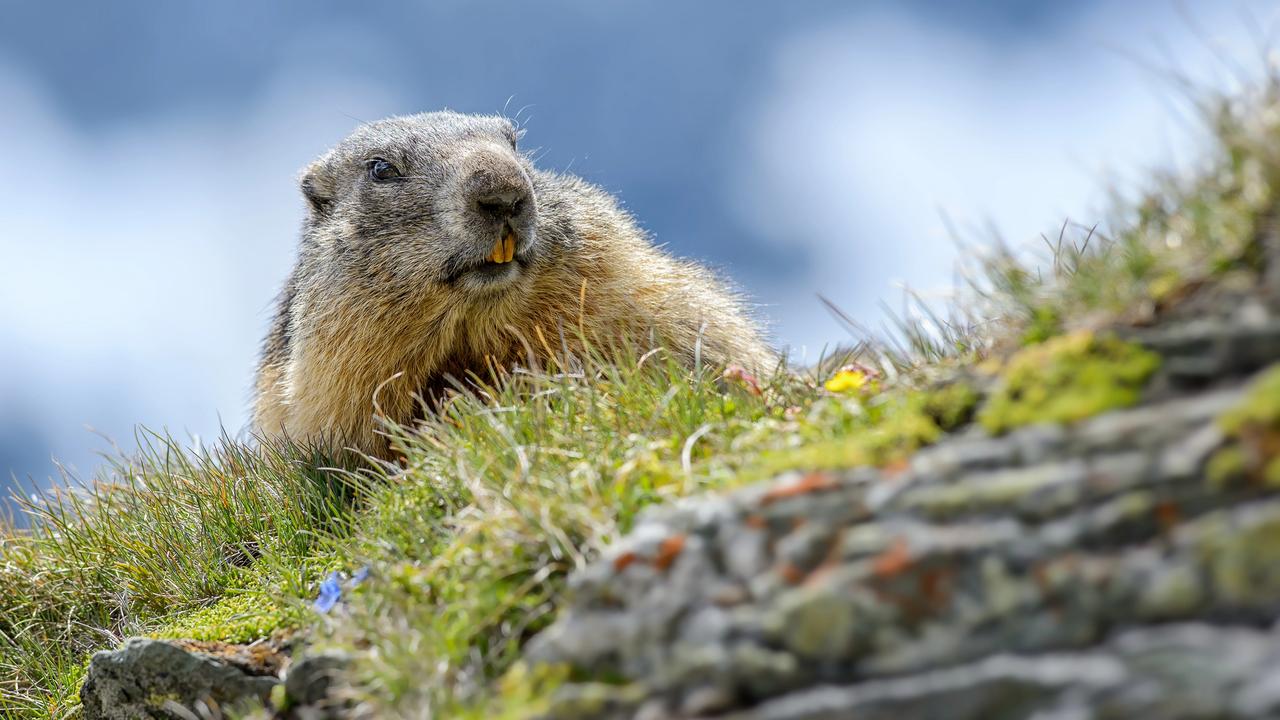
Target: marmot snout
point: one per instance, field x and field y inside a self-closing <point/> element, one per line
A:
<point x="433" y="247"/>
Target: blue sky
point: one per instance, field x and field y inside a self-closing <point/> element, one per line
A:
<point x="148" y="208"/>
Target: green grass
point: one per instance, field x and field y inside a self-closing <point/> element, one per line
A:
<point x="506" y="490"/>
<point x="160" y="535"/>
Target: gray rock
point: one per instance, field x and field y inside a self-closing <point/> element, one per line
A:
<point x="822" y="622"/>
<point x="310" y="683"/>
<point x="946" y="460"/>
<point x="988" y="579"/>
<point x="153" y="679"/>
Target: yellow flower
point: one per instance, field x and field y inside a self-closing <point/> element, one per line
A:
<point x="846" y="381"/>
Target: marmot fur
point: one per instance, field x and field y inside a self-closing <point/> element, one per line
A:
<point x="433" y="247"/>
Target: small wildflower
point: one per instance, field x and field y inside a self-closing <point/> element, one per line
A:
<point x="739" y="373"/>
<point x="330" y="593"/>
<point x="846" y="381"/>
<point x="360" y="576"/>
<point x="852" y="377"/>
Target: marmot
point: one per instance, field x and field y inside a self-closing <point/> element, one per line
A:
<point x="432" y="247"/>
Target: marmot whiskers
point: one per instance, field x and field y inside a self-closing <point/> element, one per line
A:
<point x="433" y="247"/>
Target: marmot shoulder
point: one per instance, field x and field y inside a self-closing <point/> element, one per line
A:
<point x="432" y="247"/>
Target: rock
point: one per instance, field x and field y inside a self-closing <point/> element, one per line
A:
<point x="1089" y="570"/>
<point x="1190" y="671"/>
<point x="819" y="623"/>
<point x="155" y="679"/>
<point x="309" y="686"/>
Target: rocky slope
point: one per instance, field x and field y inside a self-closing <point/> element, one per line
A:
<point x="1070" y="512"/>
<point x="1124" y="566"/>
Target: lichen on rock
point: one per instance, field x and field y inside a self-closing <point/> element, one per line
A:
<point x="1066" y="379"/>
<point x="154" y="679"/>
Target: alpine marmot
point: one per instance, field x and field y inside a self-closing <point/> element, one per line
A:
<point x="432" y="248"/>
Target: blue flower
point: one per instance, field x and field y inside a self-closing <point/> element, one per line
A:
<point x="360" y="576"/>
<point x="330" y="593"/>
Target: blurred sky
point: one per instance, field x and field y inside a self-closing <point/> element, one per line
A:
<point x="149" y="150"/>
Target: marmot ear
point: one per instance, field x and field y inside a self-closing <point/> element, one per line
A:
<point x="317" y="187"/>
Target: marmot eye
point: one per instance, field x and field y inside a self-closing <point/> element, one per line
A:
<point x="381" y="171"/>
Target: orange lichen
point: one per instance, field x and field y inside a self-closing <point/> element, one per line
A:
<point x="1167" y="515"/>
<point x="668" y="550"/>
<point x="811" y="483"/>
<point x="791" y="573"/>
<point x="892" y="561"/>
<point x="623" y="561"/>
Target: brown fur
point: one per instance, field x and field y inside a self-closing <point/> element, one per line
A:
<point x="368" y="315"/>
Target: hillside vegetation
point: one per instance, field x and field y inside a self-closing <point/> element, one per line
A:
<point x="443" y="566"/>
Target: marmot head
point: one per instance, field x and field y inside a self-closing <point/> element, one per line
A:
<point x="424" y="202"/>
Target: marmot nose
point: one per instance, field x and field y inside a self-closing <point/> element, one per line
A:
<point x="501" y="204"/>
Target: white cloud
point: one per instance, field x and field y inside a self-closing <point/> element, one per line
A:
<point x="871" y="128"/>
<point x="137" y="268"/>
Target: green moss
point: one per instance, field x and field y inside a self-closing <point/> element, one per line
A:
<point x="900" y="432"/>
<point x="828" y="455"/>
<point x="1271" y="474"/>
<point x="1066" y="379"/>
<point x="523" y="691"/>
<point x="1260" y="408"/>
<point x="951" y="405"/>
<point x="1225" y="466"/>
<point x="1174" y="592"/>
<point x="880" y="431"/>
<point x="280" y="700"/>
<point x="234" y="619"/>
<point x="1244" y="561"/>
<point x="1164" y="286"/>
<point x="1005" y="492"/>
<point x="156" y="701"/>
<point x="1254" y="426"/>
<point x="592" y="699"/>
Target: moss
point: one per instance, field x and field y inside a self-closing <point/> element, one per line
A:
<point x="951" y="405"/>
<point x="901" y="432"/>
<point x="1008" y="491"/>
<point x="1244" y="561"/>
<point x="883" y="430"/>
<point x="524" y="690"/>
<point x="1066" y="379"/>
<point x="1254" y="426"/>
<point x="1260" y="408"/>
<point x="1271" y="474"/>
<point x="1174" y="592"/>
<point x="819" y="623"/>
<point x="1225" y="466"/>
<point x="234" y="619"/>
<point x="590" y="700"/>
<point x="280" y="700"/>
<point x="828" y="455"/>
<point x="156" y="701"/>
<point x="1165" y="286"/>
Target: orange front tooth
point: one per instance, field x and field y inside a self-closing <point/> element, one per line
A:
<point x="509" y="247"/>
<point x="498" y="253"/>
